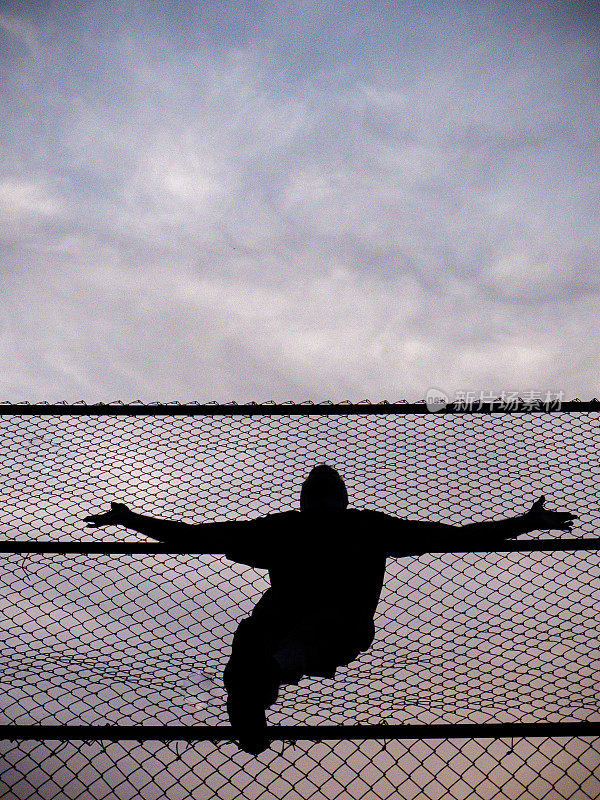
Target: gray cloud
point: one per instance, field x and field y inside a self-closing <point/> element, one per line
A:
<point x="193" y="215"/>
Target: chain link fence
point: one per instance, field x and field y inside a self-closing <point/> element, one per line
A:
<point x="549" y="768"/>
<point x="142" y="639"/>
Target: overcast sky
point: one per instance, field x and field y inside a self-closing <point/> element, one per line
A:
<point x="252" y="201"/>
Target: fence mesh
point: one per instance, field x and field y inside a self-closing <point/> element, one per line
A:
<point x="412" y="770"/>
<point x="95" y="639"/>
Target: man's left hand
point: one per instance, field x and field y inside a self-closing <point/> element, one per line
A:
<point x="543" y="519"/>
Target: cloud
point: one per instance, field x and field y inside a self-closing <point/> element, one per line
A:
<point x="18" y="31"/>
<point x="185" y="219"/>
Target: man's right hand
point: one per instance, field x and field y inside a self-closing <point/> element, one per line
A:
<point x="118" y="515"/>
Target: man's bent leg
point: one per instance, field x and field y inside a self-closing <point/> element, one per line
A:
<point x="252" y="680"/>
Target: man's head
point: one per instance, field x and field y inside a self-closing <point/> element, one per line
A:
<point x="323" y="490"/>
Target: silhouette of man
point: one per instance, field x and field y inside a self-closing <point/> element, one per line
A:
<point x="326" y="565"/>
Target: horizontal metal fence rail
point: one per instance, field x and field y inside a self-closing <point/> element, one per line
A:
<point x="121" y="548"/>
<point x="314" y="733"/>
<point x="290" y="409"/>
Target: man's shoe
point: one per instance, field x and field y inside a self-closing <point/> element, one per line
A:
<point x="254" y="743"/>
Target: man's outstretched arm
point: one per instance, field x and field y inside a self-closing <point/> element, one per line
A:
<point x="212" y="537"/>
<point x="414" y="536"/>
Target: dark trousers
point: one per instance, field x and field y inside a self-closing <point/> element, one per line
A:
<point x="267" y="653"/>
<point x="252" y="677"/>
